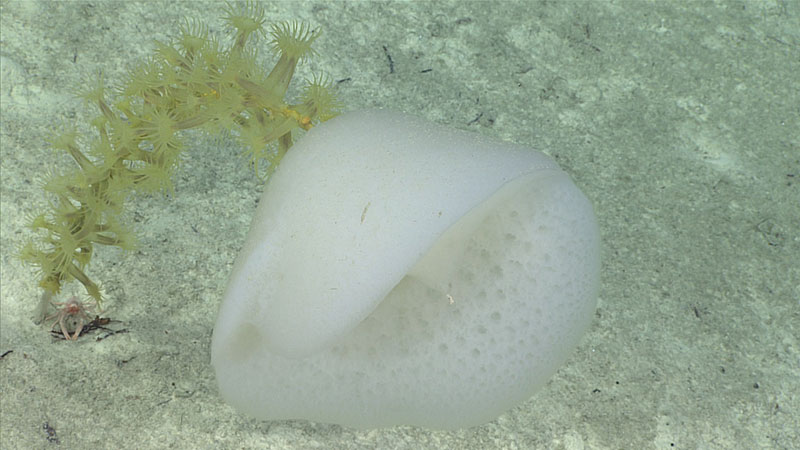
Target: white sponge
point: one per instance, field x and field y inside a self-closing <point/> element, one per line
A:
<point x="398" y="272"/>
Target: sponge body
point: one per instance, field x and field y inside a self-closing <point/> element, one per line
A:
<point x="398" y="272"/>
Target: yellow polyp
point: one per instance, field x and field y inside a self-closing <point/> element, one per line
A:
<point x="194" y="83"/>
<point x="279" y="79"/>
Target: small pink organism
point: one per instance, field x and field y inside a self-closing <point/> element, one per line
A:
<point x="70" y="315"/>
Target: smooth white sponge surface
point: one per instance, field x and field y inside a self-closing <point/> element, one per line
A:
<point x="398" y="272"/>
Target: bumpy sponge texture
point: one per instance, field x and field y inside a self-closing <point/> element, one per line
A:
<point x="480" y="320"/>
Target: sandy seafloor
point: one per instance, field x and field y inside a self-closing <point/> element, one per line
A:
<point x="679" y="120"/>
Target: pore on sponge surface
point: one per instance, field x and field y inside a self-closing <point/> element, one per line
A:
<point x="483" y="281"/>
